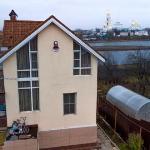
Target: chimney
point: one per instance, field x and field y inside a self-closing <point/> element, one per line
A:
<point x="13" y="15"/>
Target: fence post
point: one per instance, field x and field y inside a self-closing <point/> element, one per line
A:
<point x="140" y="131"/>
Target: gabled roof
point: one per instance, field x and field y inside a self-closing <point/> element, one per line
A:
<point x="40" y="28"/>
<point x="14" y="30"/>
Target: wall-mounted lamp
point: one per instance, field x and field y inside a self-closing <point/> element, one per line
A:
<point x="55" y="46"/>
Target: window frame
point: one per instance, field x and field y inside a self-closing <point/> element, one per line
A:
<point x="30" y="78"/>
<point x="75" y="104"/>
<point x="80" y="68"/>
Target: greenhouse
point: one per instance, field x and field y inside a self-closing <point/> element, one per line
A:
<point x="130" y="103"/>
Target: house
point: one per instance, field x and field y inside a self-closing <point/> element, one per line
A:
<point x="50" y="77"/>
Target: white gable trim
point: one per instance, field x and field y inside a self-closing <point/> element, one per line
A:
<point x="78" y="40"/>
<point x="52" y="20"/>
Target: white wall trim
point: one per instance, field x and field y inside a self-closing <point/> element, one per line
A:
<point x="52" y="20"/>
<point x="71" y="127"/>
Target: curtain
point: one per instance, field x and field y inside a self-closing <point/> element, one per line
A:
<point x="35" y="92"/>
<point x="33" y="44"/>
<point x="34" y="60"/>
<point x="25" y="99"/>
<point x="23" y="58"/>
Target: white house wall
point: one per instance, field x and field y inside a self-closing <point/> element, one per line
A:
<point x="55" y="78"/>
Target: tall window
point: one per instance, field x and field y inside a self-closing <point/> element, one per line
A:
<point x="82" y="60"/>
<point x="27" y="71"/>
<point x="69" y="103"/>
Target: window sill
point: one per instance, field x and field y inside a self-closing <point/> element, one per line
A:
<point x="86" y="75"/>
<point x="74" y="114"/>
<point x="36" y="111"/>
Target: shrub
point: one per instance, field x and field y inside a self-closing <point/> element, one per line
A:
<point x="134" y="142"/>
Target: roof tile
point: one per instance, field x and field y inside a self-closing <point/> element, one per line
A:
<point x="1" y="38"/>
<point x="16" y="30"/>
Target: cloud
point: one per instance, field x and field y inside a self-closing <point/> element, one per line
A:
<point x="79" y="13"/>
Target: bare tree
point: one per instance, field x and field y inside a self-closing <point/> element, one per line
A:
<point x="109" y="70"/>
<point x="141" y="70"/>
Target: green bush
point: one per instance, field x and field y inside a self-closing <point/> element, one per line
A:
<point x="134" y="142"/>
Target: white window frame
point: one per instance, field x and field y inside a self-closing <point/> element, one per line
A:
<point x="75" y="104"/>
<point x="80" y="68"/>
<point x="30" y="79"/>
<point x="31" y="90"/>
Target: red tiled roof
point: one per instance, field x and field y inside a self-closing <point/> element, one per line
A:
<point x="1" y="38"/>
<point x="14" y="30"/>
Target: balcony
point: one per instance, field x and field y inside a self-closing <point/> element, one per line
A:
<point x="23" y="142"/>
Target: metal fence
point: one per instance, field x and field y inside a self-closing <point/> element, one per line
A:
<point x="123" y="124"/>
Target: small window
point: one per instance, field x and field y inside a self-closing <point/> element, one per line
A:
<point x="69" y="100"/>
<point x="82" y="61"/>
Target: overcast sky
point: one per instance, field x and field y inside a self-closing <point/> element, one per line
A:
<point x="84" y="14"/>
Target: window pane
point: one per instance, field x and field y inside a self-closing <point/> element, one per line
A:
<point x="34" y="60"/>
<point x="85" y="71"/>
<point x="69" y="103"/>
<point x="76" y="55"/>
<point x="34" y="73"/>
<point x="25" y="99"/>
<point x="76" y="71"/>
<point x="85" y="58"/>
<point x="72" y="108"/>
<point x="72" y="98"/>
<point x="66" y="98"/>
<point x="33" y="44"/>
<point x="23" y="74"/>
<point x="76" y="46"/>
<point x="76" y="63"/>
<point x="66" y="109"/>
<point x="34" y="65"/>
<point x="23" y="58"/>
<point x="23" y="84"/>
<point x="35" y="93"/>
<point x="35" y="83"/>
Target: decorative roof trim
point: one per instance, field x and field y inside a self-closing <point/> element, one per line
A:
<point x="41" y="28"/>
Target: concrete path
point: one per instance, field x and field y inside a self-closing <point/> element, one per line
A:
<point x="106" y="143"/>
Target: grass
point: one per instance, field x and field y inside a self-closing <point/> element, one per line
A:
<point x="2" y="138"/>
